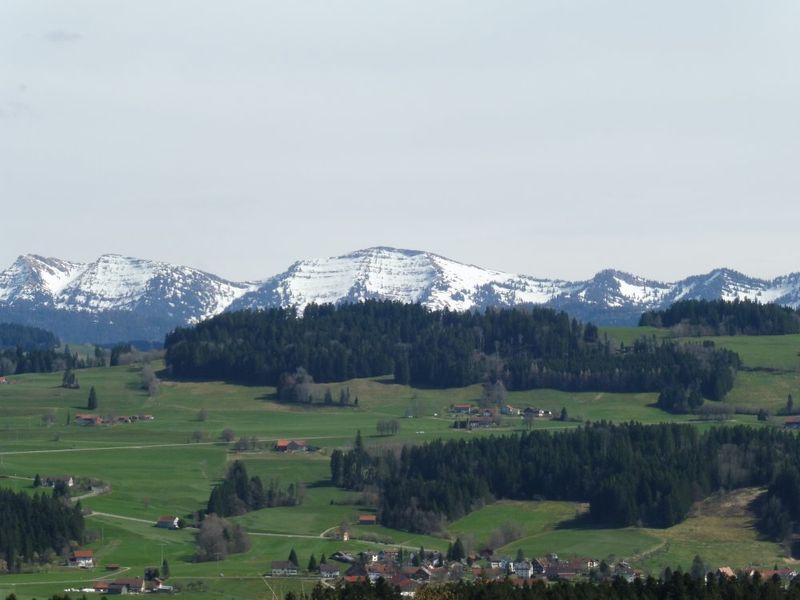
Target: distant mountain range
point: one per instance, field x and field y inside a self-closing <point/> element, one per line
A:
<point x="119" y="298"/>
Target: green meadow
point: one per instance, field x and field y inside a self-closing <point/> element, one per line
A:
<point x="170" y="464"/>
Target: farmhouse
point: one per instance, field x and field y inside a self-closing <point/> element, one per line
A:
<point x="510" y="410"/>
<point x="283" y="567"/>
<point x="792" y="423"/>
<point x="367" y="520"/>
<point x="83" y="559"/>
<point x="126" y="585"/>
<point x="3" y="381"/>
<point x="291" y="446"/>
<point x="461" y="409"/>
<point x="84" y="420"/>
<point x="53" y="480"/>
<point x="167" y="522"/>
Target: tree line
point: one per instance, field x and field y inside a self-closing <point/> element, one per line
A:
<point x="676" y="586"/>
<point x="238" y="494"/>
<point x="723" y="317"/>
<point x="630" y="474"/>
<point x="524" y="348"/>
<point x="14" y="335"/>
<point x="35" y="526"/>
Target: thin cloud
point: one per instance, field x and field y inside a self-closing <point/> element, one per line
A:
<point x="61" y="36"/>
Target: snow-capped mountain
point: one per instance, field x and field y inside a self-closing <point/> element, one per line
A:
<point x="404" y="275"/>
<point x="112" y="298"/>
<point x="118" y="298"/>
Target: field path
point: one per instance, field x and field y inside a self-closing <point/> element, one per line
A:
<point x="135" y="519"/>
<point x="147" y="446"/>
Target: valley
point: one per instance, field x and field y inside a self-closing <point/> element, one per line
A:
<point x="168" y="466"/>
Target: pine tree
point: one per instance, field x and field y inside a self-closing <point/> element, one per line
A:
<point x="520" y="555"/>
<point x="293" y="558"/>
<point x="789" y="405"/>
<point x="37" y="481"/>
<point x="322" y="559"/>
<point x="564" y="415"/>
<point x="165" y="569"/>
<point x="92" y="403"/>
<point x="312" y="564"/>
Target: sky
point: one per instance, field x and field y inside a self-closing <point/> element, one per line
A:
<point x="553" y="138"/>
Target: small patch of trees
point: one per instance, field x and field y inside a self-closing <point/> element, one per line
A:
<point x="238" y="493"/>
<point x="388" y="427"/>
<point x="217" y="538"/>
<point x="69" y="380"/>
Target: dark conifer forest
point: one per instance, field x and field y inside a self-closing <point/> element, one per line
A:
<point x="13" y="335"/>
<point x="526" y="349"/>
<point x="722" y="317"/>
<point x="33" y="526"/>
<point x="630" y="474"/>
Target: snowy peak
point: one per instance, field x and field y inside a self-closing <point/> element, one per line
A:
<point x="383" y="273"/>
<point x="33" y="277"/>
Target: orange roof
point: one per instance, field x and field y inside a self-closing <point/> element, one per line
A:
<point x="83" y="554"/>
<point x="370" y="518"/>
<point x="282" y="443"/>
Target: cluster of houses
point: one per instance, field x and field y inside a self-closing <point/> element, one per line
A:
<point x="476" y="417"/>
<point x="52" y="481"/>
<point x="785" y="575"/>
<point x="411" y="571"/>
<point x="86" y="419"/>
<point x="84" y="559"/>
<point x="4" y="381"/>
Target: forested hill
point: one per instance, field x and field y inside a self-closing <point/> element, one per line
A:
<point x="630" y="473"/>
<point x="522" y="349"/>
<point x="13" y="335"/>
<point x="723" y="317"/>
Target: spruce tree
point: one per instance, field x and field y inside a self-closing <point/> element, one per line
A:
<point x="293" y="558"/>
<point x="92" y="403"/>
<point x="165" y="569"/>
<point x="458" y="550"/>
<point x="37" y="481"/>
<point x="312" y="564"/>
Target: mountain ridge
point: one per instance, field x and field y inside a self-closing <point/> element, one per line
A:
<point x="116" y="297"/>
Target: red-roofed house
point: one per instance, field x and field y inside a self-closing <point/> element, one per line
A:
<point x="82" y="558"/>
<point x="167" y="522"/>
<point x="367" y="520"/>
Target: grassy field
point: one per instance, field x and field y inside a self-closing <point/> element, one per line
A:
<point x="169" y="465"/>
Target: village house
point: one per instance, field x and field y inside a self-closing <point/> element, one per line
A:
<point x="523" y="569"/>
<point x="461" y="409"/>
<point x="168" y="522"/>
<point x="792" y="423"/>
<point x="3" y="380"/>
<point x="83" y="559"/>
<point x="509" y="410"/>
<point x="281" y="568"/>
<point x="367" y="520"/>
<point x="53" y="480"/>
<point x="328" y="571"/>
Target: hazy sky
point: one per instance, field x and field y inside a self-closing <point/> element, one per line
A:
<point x="552" y="138"/>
